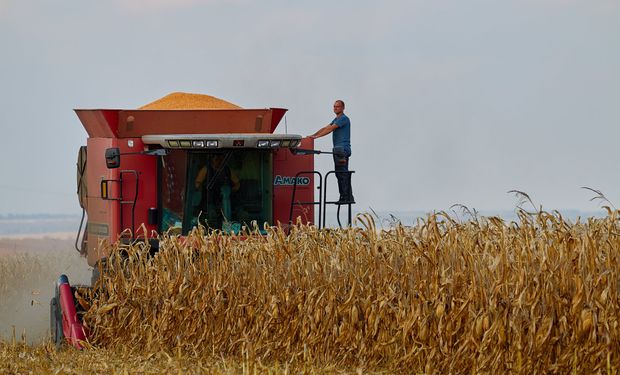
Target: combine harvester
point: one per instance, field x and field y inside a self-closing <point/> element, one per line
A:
<point x="151" y="170"/>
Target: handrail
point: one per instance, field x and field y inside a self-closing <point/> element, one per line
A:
<point x="325" y="202"/>
<point x="133" y="202"/>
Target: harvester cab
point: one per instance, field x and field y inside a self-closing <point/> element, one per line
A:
<point x="157" y="171"/>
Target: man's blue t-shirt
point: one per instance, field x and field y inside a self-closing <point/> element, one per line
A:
<point x="342" y="135"/>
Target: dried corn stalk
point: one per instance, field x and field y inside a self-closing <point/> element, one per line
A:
<point x="443" y="296"/>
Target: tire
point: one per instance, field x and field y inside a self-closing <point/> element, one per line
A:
<point x="57" y="334"/>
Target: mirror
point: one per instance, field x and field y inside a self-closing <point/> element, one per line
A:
<point x="113" y="157"/>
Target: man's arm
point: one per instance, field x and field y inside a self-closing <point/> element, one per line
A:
<point x="236" y="184"/>
<point x="324" y="131"/>
<point x="200" y="178"/>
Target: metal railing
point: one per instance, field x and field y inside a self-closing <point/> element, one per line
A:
<point x="322" y="202"/>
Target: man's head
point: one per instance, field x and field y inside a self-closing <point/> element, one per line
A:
<point x="216" y="160"/>
<point x="338" y="107"/>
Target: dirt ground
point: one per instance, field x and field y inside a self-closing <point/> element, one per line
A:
<point x="29" y="268"/>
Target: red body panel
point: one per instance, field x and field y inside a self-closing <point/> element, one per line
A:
<point x="108" y="218"/>
<point x="102" y="214"/>
<point x="99" y="123"/>
<point x="277" y="114"/>
<point x="285" y="166"/>
<point x="146" y="168"/>
<point x="108" y="123"/>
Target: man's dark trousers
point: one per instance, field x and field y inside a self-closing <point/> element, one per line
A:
<point x="341" y="164"/>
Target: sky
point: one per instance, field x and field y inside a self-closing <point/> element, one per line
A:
<point x="450" y="101"/>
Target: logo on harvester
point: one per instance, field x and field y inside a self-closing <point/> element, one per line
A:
<point x="290" y="180"/>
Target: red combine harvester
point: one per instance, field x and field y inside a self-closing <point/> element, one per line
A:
<point x="171" y="170"/>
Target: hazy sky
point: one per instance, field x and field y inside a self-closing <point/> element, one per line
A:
<point x="450" y="101"/>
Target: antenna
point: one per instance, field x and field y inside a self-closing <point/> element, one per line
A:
<point x="285" y="126"/>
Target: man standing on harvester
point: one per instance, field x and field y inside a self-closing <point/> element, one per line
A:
<point x="340" y="128"/>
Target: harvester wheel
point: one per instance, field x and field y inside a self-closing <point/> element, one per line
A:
<point x="57" y="334"/>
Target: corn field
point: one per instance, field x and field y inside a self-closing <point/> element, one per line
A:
<point x="444" y="296"/>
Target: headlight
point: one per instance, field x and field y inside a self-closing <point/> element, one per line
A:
<point x="263" y="144"/>
<point x="274" y="143"/>
<point x="198" y="143"/>
<point x="185" y="143"/>
<point x="173" y="143"/>
<point x="212" y="144"/>
<point x="285" y="143"/>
